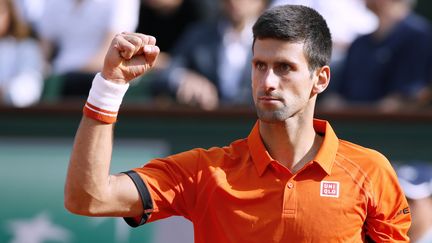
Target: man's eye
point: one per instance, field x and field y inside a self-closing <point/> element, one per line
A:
<point x="260" y="66"/>
<point x="283" y="68"/>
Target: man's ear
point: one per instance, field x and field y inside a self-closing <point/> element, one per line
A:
<point x="322" y="79"/>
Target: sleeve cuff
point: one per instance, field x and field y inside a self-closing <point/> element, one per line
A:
<point x="145" y="199"/>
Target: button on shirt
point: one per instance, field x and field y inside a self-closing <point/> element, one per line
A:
<point x="239" y="193"/>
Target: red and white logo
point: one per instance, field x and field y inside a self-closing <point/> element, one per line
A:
<point x="329" y="189"/>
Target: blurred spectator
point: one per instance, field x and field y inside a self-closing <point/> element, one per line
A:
<point x="166" y="20"/>
<point x="347" y="19"/>
<point x="31" y="11"/>
<point x="416" y="181"/>
<point x="21" y="61"/>
<point x="390" y="67"/>
<point x="77" y="33"/>
<point x="207" y="8"/>
<point x="211" y="62"/>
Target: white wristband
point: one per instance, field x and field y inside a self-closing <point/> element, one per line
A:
<point x="104" y="100"/>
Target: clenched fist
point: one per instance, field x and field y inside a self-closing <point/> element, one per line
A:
<point x="129" y="56"/>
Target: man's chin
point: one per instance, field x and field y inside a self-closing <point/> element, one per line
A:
<point x="271" y="116"/>
<point x="268" y="121"/>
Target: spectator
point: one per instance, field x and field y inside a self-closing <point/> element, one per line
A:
<point x="166" y="20"/>
<point x="389" y="67"/>
<point x="80" y="31"/>
<point x="416" y="181"/>
<point x="211" y="63"/>
<point x="21" y="60"/>
<point x="31" y="11"/>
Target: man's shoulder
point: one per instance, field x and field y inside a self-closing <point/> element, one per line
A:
<point x="236" y="148"/>
<point x="371" y="164"/>
<point x="218" y="156"/>
<point x="362" y="156"/>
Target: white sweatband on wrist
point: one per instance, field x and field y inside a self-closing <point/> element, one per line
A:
<point x="104" y="100"/>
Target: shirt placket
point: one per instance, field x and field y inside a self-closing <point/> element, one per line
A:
<point x="290" y="199"/>
<point x="289" y="207"/>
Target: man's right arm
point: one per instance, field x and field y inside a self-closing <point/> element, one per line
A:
<point x="90" y="189"/>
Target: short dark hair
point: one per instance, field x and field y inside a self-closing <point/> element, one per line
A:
<point x="296" y="23"/>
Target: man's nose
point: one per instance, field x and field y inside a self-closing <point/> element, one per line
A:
<point x="270" y="80"/>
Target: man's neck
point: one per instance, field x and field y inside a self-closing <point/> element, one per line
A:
<point x="293" y="143"/>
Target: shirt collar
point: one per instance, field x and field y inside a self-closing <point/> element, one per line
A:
<point x="327" y="153"/>
<point x="324" y="158"/>
<point x="258" y="151"/>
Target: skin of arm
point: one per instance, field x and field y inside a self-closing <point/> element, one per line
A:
<point x="90" y="189"/>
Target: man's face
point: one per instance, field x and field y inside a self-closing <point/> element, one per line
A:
<point x="282" y="84"/>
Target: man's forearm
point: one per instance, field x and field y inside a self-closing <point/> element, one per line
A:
<point x="88" y="178"/>
<point x="90" y="189"/>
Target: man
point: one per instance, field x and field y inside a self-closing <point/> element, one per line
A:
<point x="291" y="180"/>
<point x="416" y="181"/>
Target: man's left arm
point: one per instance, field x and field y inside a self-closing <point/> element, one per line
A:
<point x="389" y="217"/>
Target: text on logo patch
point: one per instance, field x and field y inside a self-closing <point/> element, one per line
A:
<point x="329" y="189"/>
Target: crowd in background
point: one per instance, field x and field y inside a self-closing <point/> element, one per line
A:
<point x="51" y="49"/>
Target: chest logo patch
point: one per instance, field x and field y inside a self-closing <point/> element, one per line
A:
<point x="329" y="189"/>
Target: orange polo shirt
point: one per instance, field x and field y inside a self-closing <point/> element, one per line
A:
<point x="239" y="193"/>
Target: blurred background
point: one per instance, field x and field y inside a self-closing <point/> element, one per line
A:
<point x="198" y="95"/>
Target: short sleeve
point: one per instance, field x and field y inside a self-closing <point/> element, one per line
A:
<point x="388" y="218"/>
<point x="171" y="185"/>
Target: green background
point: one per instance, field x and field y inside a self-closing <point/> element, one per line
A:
<point x="32" y="174"/>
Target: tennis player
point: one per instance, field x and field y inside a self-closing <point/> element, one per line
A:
<point x="291" y="180"/>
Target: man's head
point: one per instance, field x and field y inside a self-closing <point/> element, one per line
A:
<point x="291" y="53"/>
<point x="416" y="181"/>
<point x="296" y="23"/>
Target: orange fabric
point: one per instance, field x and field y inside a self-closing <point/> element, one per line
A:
<point x="99" y="114"/>
<point x="239" y="193"/>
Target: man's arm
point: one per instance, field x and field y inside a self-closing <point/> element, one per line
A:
<point x="90" y="189"/>
<point x="389" y="217"/>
